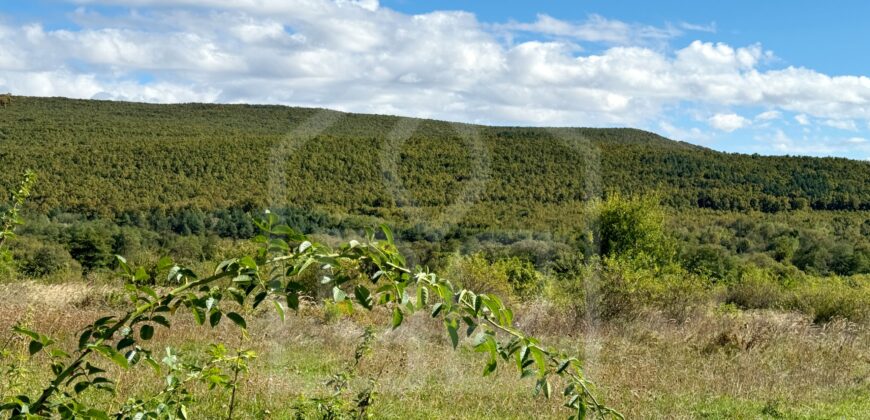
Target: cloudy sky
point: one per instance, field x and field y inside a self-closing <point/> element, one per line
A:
<point x="780" y="77"/>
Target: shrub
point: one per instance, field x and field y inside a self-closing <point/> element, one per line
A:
<point x="524" y="280"/>
<point x="632" y="226"/>
<point x="710" y="261"/>
<point x="616" y="288"/>
<point x="828" y="298"/>
<point x="47" y="260"/>
<point x="475" y="272"/>
<point x="756" y="288"/>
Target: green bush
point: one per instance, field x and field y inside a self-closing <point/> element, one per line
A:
<point x="829" y="298"/>
<point x="48" y="260"/>
<point x="756" y="288"/>
<point x="629" y="227"/>
<point x="618" y="288"/>
<point x="524" y="280"/>
<point x="711" y="261"/>
<point x="475" y="272"/>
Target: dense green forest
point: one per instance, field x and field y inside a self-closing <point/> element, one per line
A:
<point x="106" y="158"/>
<point x="126" y="177"/>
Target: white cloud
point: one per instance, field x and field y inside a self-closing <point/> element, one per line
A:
<point x="768" y="116"/>
<point x="847" y="125"/>
<point x="802" y="119"/>
<point x="693" y="134"/>
<point x="781" y="142"/>
<point x="359" y="56"/>
<point x="728" y="122"/>
<point x="710" y="28"/>
<point x="596" y="29"/>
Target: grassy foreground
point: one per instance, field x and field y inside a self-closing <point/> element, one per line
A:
<point x="717" y="364"/>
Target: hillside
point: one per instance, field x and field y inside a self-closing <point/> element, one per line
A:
<point x="114" y="158"/>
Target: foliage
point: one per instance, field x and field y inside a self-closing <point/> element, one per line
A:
<point x="269" y="276"/>
<point x="11" y="218"/>
<point x="38" y="260"/>
<point x="109" y="159"/>
<point x="632" y="227"/>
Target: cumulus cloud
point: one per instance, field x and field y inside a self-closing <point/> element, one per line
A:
<point x="818" y="146"/>
<point x="768" y="116"/>
<point x="802" y="119"/>
<point x="728" y="122"/>
<point x="693" y="134"/>
<point x="361" y="56"/>
<point x="847" y="125"/>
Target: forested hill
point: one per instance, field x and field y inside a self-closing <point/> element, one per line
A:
<point x="110" y="158"/>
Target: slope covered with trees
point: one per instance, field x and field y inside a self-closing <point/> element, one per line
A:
<point x="111" y="158"/>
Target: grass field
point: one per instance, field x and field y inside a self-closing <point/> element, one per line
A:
<point x="720" y="363"/>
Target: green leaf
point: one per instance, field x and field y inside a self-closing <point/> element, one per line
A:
<point x="198" y="315"/>
<point x="562" y="366"/>
<point x="27" y="332"/>
<point x="160" y="319"/>
<point x="81" y="386"/>
<point x="398" y="316"/>
<point x="543" y="385"/>
<point x="490" y="367"/>
<point x="437" y="309"/>
<point x="452" y="330"/>
<point x="141" y="275"/>
<point x="146" y="332"/>
<point x="164" y="263"/>
<point x="248" y="262"/>
<point x="540" y="359"/>
<point x="84" y="337"/>
<point x="363" y="296"/>
<point x="214" y="318"/>
<point x="283" y="230"/>
<point x="235" y="317"/>
<point x="278" y="245"/>
<point x="148" y="291"/>
<point x="279" y="308"/>
<point x="34" y="347"/>
<point x="259" y="298"/>
<point x="387" y="232"/>
<point x="293" y="301"/>
<point x="113" y="355"/>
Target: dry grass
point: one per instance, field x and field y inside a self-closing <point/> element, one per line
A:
<point x="714" y="365"/>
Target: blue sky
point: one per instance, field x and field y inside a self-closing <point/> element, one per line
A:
<point x="772" y="77"/>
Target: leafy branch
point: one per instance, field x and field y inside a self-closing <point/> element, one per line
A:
<point x="12" y="218"/>
<point x="272" y="275"/>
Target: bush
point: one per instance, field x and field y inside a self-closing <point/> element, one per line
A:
<point x="34" y="258"/>
<point x="616" y="288"/>
<point x="48" y="260"/>
<point x="710" y="261"/>
<point x="829" y="298"/>
<point x="476" y="273"/>
<point x="756" y="288"/>
<point x="524" y="280"/>
<point x="627" y="288"/>
<point x="629" y="227"/>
